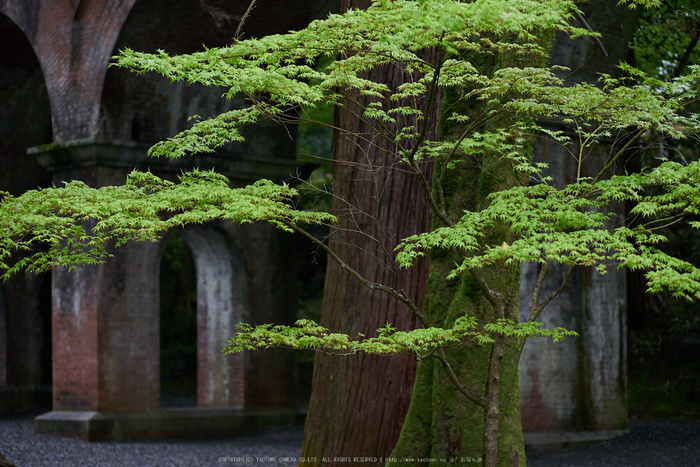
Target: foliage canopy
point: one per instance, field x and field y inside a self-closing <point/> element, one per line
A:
<point x="278" y="77"/>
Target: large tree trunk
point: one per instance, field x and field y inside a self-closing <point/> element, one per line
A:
<point x="358" y="403"/>
<point x="442" y="425"/>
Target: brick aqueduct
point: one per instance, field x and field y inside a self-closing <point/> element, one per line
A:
<point x="67" y="115"/>
<point x="87" y="343"/>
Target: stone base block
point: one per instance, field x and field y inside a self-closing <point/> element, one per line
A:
<point x="27" y="398"/>
<point x="539" y="441"/>
<point x="166" y="423"/>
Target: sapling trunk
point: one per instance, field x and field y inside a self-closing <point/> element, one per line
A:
<point x="493" y="409"/>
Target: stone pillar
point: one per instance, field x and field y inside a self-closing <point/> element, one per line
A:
<point x="579" y="383"/>
<point x="221" y="304"/>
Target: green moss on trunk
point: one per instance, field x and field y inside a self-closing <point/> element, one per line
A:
<point x="456" y="424"/>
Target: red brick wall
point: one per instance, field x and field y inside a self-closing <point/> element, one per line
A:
<point x="75" y="339"/>
<point x="73" y="48"/>
<point x="129" y="377"/>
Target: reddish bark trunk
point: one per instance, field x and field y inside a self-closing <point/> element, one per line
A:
<point x="358" y="403"/>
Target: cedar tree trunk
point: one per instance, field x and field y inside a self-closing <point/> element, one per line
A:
<point x="358" y="403"/>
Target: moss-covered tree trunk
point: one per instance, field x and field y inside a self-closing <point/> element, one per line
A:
<point x="442" y="424"/>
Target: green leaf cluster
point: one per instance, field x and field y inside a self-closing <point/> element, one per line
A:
<point x="75" y="224"/>
<point x="306" y="334"/>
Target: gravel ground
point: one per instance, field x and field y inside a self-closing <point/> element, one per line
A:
<point x="649" y="443"/>
<point x="24" y="448"/>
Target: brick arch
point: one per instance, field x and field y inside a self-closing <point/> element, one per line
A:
<point x="73" y="42"/>
<point x="25" y="299"/>
<point x="221" y="305"/>
<point x="25" y="115"/>
<point x="147" y="108"/>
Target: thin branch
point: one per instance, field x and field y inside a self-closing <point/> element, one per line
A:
<point x="484" y="117"/>
<point x="429" y="195"/>
<point x="534" y="313"/>
<point x="423" y="134"/>
<point x="494" y="298"/>
<point x="672" y="220"/>
<point x="398" y="294"/>
<point x="480" y="401"/>
<point x="617" y="156"/>
<point x="375" y="131"/>
<point x="600" y="44"/>
<point x="438" y="209"/>
<point x="538" y="286"/>
<point x="237" y="35"/>
<point x="551" y="296"/>
<point x="688" y="52"/>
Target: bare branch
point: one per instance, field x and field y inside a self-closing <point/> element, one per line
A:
<point x="237" y="35"/>
<point x="600" y="44"/>
<point x="538" y="285"/>
<point x="617" y="156"/>
<point x="551" y="296"/>
<point x="398" y="294"/>
<point x="480" y="401"/>
<point x="534" y="313"/>
<point x="493" y="297"/>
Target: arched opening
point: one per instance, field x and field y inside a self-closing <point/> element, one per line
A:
<point x="178" y="325"/>
<point x="25" y="311"/>
<point x="202" y="298"/>
<point x="221" y="304"/>
<point x="148" y="108"/>
<point x="25" y="113"/>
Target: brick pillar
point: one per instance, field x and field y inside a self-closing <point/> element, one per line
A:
<point x="269" y="259"/>
<point x="104" y="317"/>
<point x="105" y="333"/>
<point x="74" y="331"/>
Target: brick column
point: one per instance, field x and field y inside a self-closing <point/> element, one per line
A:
<point x="104" y="317"/>
<point x="105" y="333"/>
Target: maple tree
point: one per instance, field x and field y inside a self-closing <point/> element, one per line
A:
<point x="492" y="207"/>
